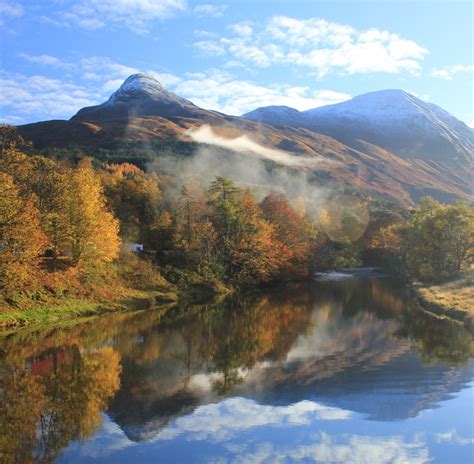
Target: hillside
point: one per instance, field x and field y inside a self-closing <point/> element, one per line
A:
<point x="346" y="154"/>
<point x="391" y="119"/>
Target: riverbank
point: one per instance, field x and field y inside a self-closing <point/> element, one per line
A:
<point x="130" y="284"/>
<point x="62" y="310"/>
<point x="453" y="299"/>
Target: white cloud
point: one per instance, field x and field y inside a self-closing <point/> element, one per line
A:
<point x="450" y="71"/>
<point x="220" y="91"/>
<point x="422" y="96"/>
<point x="11" y="9"/>
<point x="136" y="15"/>
<point x="321" y="45"/>
<point x="100" y="76"/>
<point x="112" y="85"/>
<point x="213" y="11"/>
<point x="9" y="119"/>
<point x="109" y="440"/>
<point x="205" y="34"/>
<point x="105" y="67"/>
<point x="346" y="449"/>
<point x="40" y="95"/>
<point x="168" y="80"/>
<point x="221" y="421"/>
<point x="453" y="437"/>
<point x="243" y="29"/>
<point x="45" y="60"/>
<point x="91" y="68"/>
<point x="209" y="47"/>
<point x="232" y="420"/>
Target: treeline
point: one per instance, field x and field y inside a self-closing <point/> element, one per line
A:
<point x="432" y="245"/>
<point x="52" y="216"/>
<point x="61" y="222"/>
<point x="64" y="223"/>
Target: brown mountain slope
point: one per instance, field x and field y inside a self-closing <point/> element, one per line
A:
<point x="141" y="110"/>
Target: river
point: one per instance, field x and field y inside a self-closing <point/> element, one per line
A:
<point x="345" y="370"/>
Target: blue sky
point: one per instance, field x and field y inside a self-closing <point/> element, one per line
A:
<point x="60" y="55"/>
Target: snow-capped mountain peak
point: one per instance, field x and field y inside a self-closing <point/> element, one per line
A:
<point x="138" y="85"/>
<point x="392" y="119"/>
<point x="393" y="103"/>
<point x="141" y="95"/>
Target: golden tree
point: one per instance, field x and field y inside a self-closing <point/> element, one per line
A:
<point x="94" y="232"/>
<point x="22" y="241"/>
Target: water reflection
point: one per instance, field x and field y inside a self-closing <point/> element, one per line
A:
<point x="57" y="398"/>
<point x="289" y="357"/>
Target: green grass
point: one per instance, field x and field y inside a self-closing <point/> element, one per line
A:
<point x="70" y="311"/>
<point x="66" y="310"/>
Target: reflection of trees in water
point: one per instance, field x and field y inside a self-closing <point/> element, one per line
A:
<point x="438" y="340"/>
<point x="252" y="329"/>
<point x="60" y="398"/>
<point x="40" y="414"/>
<point x="380" y="296"/>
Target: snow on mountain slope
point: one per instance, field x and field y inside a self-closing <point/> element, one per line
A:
<point x="388" y="143"/>
<point x="391" y="119"/>
<point x="276" y="115"/>
<point x="141" y="95"/>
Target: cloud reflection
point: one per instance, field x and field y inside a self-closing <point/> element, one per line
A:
<point x="221" y="421"/>
<point x="347" y="449"/>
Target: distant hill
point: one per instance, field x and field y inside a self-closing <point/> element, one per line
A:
<point x="387" y="143"/>
<point x="391" y="119"/>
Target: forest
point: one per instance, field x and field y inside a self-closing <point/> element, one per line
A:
<point x="67" y="227"/>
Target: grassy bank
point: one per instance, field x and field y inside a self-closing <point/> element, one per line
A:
<point x="453" y="299"/>
<point x="72" y="309"/>
<point x="129" y="284"/>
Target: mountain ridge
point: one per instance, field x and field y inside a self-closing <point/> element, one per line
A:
<point x="392" y="119"/>
<point x="142" y="110"/>
<point x="142" y="95"/>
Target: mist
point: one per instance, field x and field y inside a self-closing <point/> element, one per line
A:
<point x="244" y="144"/>
<point x="250" y="165"/>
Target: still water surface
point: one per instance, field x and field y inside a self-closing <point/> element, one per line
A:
<point x="341" y="372"/>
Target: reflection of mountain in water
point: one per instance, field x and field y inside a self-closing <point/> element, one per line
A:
<point x="399" y="388"/>
<point x="332" y="343"/>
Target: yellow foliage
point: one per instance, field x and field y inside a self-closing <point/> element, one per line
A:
<point x="94" y="232"/>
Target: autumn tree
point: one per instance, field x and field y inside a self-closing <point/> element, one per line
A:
<point x="41" y="414"/>
<point x="44" y="179"/>
<point x="434" y="243"/>
<point x="247" y="246"/>
<point x="48" y="182"/>
<point x="134" y="197"/>
<point x="93" y="229"/>
<point x="294" y="232"/>
<point x="11" y="140"/>
<point x="22" y="241"/>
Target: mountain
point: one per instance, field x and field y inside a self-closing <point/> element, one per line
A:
<point x="276" y="115"/>
<point x="379" y="142"/>
<point x="142" y="95"/>
<point x="391" y="119"/>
